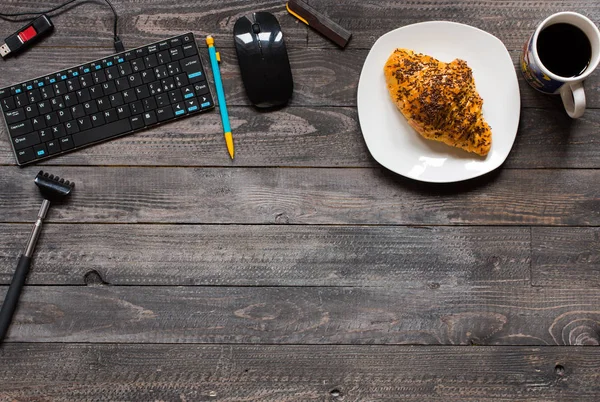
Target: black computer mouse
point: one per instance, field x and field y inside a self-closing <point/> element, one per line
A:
<point x="263" y="60"/>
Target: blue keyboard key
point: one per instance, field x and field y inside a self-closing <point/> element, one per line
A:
<point x="194" y="75"/>
<point x="18" y="91"/>
<point x="52" y="80"/>
<point x="41" y="152"/>
<point x="63" y="77"/>
<point x="98" y="67"/>
<point x="87" y="70"/>
<point x="29" y="87"/>
<point x="205" y="104"/>
<point x="40" y="84"/>
<point x="191" y="109"/>
<point x="179" y="112"/>
<point x="188" y="96"/>
<point x="109" y="63"/>
<point x="75" y="74"/>
<point x="121" y="60"/>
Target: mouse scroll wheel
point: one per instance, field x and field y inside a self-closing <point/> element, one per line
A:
<point x="255" y="28"/>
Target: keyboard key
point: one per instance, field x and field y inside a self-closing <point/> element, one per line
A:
<point x="20" y="128"/>
<point x="125" y="68"/>
<point x="90" y="107"/>
<point x="129" y="95"/>
<point x="149" y="118"/>
<point x="27" y="140"/>
<point x="77" y="111"/>
<point x="40" y="150"/>
<point x="47" y="93"/>
<point x="57" y="103"/>
<point x="192" y="67"/>
<point x="64" y="115"/>
<point x="186" y="38"/>
<point x="191" y="104"/>
<point x="150" y="61"/>
<point x="116" y="99"/>
<point x="31" y="111"/>
<point x="45" y="134"/>
<point x="15" y="116"/>
<point x="102" y="132"/>
<point x="122" y="84"/>
<point x="174" y="68"/>
<point x="21" y="100"/>
<point x="34" y="96"/>
<point x="148" y="76"/>
<point x="189" y="49"/>
<point x="164" y="113"/>
<point x="162" y="100"/>
<point x="96" y="92"/>
<point x="168" y="84"/>
<point x="181" y="80"/>
<point x="111" y="73"/>
<point x="152" y="48"/>
<point x="174" y="42"/>
<point x="136" y="122"/>
<point x="25" y="155"/>
<point x="84" y="123"/>
<point x="123" y="111"/>
<point x="8" y="103"/>
<point x="137" y="65"/>
<point x="66" y="143"/>
<point x="86" y="80"/>
<point x="149" y="104"/>
<point x="201" y="88"/>
<point x="83" y="95"/>
<point x="58" y="131"/>
<point x="176" y="53"/>
<point x="103" y="103"/>
<point x="72" y="127"/>
<point x="110" y="115"/>
<point x="135" y="80"/>
<point x="53" y="147"/>
<point x="175" y="96"/>
<point x="98" y="76"/>
<point x="136" y="107"/>
<point x="155" y="88"/>
<point x="109" y="88"/>
<point x="38" y="123"/>
<point x="60" y="88"/>
<point x="51" y="119"/>
<point x="142" y="91"/>
<point x="179" y="109"/>
<point x="73" y="84"/>
<point x="163" y="57"/>
<point x="70" y="100"/>
<point x="97" y="119"/>
<point x="164" y="45"/>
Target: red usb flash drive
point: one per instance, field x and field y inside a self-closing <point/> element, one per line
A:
<point x="26" y="36"/>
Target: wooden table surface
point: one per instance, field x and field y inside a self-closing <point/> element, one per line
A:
<point x="302" y="270"/>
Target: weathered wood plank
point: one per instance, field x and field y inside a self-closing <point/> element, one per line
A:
<point x="322" y="77"/>
<point x="310" y="315"/>
<point x="566" y="257"/>
<point x="146" y="21"/>
<point x="307" y="196"/>
<point x="291" y="373"/>
<point x="272" y="255"/>
<point x="511" y="21"/>
<point x="323" y="137"/>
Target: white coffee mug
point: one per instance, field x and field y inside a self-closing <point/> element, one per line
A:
<point x="542" y="79"/>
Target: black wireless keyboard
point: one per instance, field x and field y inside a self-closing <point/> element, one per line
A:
<point x="93" y="102"/>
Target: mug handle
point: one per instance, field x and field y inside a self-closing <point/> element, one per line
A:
<point x="573" y="98"/>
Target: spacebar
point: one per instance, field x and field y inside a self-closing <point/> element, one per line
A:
<point x="101" y="133"/>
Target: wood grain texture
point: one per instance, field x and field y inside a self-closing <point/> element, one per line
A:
<point x="272" y="255"/>
<point x="306" y="196"/>
<point x="566" y="257"/>
<point x="457" y="315"/>
<point x="292" y="373"/>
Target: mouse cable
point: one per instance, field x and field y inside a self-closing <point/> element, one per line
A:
<point x="15" y="17"/>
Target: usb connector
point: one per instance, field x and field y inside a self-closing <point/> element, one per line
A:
<point x="26" y="36"/>
<point x="4" y="50"/>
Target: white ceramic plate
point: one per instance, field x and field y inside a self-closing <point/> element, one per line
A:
<point x="396" y="145"/>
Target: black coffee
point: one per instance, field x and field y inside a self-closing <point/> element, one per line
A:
<point x="564" y="49"/>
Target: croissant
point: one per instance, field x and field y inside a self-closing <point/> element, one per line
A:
<point x="438" y="99"/>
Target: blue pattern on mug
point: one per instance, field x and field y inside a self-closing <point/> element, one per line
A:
<point x="533" y="74"/>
